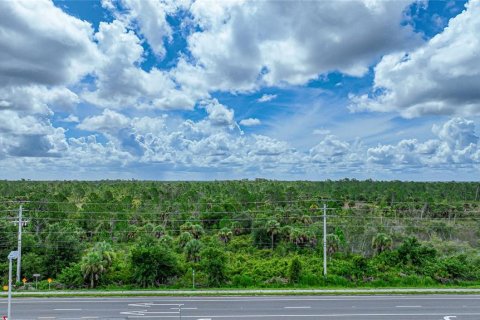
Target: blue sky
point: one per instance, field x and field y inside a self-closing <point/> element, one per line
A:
<point x="202" y="90"/>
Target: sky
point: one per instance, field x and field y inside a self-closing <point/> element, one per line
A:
<point x="240" y="89"/>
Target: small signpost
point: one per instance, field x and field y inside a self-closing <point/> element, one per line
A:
<point x="24" y="280"/>
<point x="12" y="256"/>
<point x="36" y="276"/>
<point x="49" y="280"/>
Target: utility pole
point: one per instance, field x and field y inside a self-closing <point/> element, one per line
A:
<point x="324" y="240"/>
<point x="19" y="260"/>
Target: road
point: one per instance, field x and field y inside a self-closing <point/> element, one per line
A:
<point x="395" y="307"/>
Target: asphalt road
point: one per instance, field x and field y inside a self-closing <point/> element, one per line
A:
<point x="395" y="307"/>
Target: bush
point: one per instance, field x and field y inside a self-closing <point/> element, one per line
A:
<point x="71" y="277"/>
<point x="414" y="254"/>
<point x="153" y="265"/>
<point x="31" y="264"/>
<point x="310" y="279"/>
<point x="242" y="280"/>
<point x="214" y="264"/>
<point x="336" y="281"/>
<point x="295" y="271"/>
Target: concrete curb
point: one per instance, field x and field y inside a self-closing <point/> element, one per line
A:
<point x="245" y="292"/>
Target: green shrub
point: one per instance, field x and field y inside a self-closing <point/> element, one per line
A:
<point x="242" y="280"/>
<point x="414" y="254"/>
<point x="71" y="276"/>
<point x="214" y="265"/>
<point x="295" y="271"/>
<point x="309" y="279"/>
<point x="153" y="265"/>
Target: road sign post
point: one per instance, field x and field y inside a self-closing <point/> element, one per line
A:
<point x="36" y="275"/>
<point x="49" y="280"/>
<point x="12" y="256"/>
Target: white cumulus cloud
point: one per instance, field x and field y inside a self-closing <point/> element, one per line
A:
<point x="442" y="77"/>
<point x="456" y="144"/>
<point x="250" y="122"/>
<point x="282" y="42"/>
<point x="267" y="97"/>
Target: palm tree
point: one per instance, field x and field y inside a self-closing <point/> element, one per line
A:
<point x="184" y="238"/>
<point x="237" y="228"/>
<point x="186" y="227"/>
<point x="382" y="242"/>
<point x="97" y="261"/>
<point x="197" y="231"/>
<point x="225" y="235"/>
<point x="156" y="231"/>
<point x="295" y="235"/>
<point x="192" y="250"/>
<point x="286" y="231"/>
<point x="106" y="252"/>
<point x="273" y="228"/>
<point x="305" y="219"/>
<point x="333" y="243"/>
<point x="166" y="240"/>
<point x="92" y="266"/>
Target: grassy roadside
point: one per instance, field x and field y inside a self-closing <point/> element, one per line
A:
<point x="243" y="292"/>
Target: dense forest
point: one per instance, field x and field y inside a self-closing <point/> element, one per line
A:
<point x="246" y="233"/>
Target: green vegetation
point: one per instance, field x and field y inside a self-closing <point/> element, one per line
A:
<point x="244" y="234"/>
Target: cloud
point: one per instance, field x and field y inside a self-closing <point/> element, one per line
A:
<point x="330" y="149"/>
<point x="250" y="122"/>
<point x="42" y="51"/>
<point x="321" y="132"/>
<point x="267" y="97"/>
<point x="120" y="83"/>
<point x="276" y="42"/>
<point x="71" y="118"/>
<point x="29" y="136"/>
<point x="38" y="99"/>
<point x="108" y="121"/>
<point x="150" y="17"/>
<point x="456" y="144"/>
<point x="442" y="77"/>
<point x="218" y="114"/>
<point x="63" y="50"/>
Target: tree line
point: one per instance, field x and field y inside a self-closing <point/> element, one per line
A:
<point x="245" y="233"/>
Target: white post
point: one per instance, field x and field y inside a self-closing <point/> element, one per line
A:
<point x="19" y="260"/>
<point x="9" y="288"/>
<point x="12" y="255"/>
<point x="324" y="240"/>
<point x="193" y="278"/>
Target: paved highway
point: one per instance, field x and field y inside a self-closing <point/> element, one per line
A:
<point x="411" y="307"/>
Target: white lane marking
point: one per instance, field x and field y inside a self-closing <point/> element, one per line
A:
<point x="301" y="307"/>
<point x="67" y="309"/>
<point x="345" y="315"/>
<point x="144" y="312"/>
<point x="90" y="317"/>
<point x="189" y="308"/>
<point x="204" y="319"/>
<point x="408" y="306"/>
<point x="145" y="305"/>
<point x="46" y="317"/>
<point x="448" y="317"/>
<point x="149" y="304"/>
